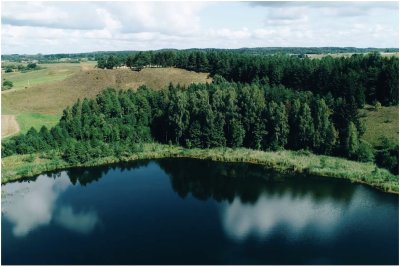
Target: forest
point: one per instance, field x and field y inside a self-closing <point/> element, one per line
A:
<point x="51" y="58"/>
<point x="221" y="114"/>
<point x="366" y="78"/>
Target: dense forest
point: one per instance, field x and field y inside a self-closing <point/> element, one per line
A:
<point x="221" y="114"/>
<point x="366" y="78"/>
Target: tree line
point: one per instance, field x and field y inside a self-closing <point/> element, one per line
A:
<point x="256" y="51"/>
<point x="220" y="114"/>
<point x="367" y="78"/>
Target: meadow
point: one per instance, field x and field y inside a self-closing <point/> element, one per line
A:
<point x="381" y="123"/>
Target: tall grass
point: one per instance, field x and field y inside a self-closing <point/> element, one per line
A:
<point x="18" y="166"/>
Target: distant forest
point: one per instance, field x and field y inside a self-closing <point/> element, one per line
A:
<point x="255" y="51"/>
<point x="366" y="78"/>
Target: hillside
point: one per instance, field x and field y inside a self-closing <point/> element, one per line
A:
<point x="52" y="89"/>
<point x="381" y="123"/>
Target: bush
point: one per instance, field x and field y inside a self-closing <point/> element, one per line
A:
<point x="31" y="66"/>
<point x="8" y="69"/>
<point x="7" y="84"/>
<point x="365" y="152"/>
<point x="31" y="158"/>
<point x="388" y="155"/>
<point x="377" y="105"/>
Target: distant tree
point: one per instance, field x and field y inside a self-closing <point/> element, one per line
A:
<point x="31" y="66"/>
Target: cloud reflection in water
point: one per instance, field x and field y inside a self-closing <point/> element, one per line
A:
<point x="29" y="205"/>
<point x="241" y="220"/>
<point x="82" y="222"/>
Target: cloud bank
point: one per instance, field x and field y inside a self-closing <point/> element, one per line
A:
<point x="62" y="27"/>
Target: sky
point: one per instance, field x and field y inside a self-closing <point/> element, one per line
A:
<point x="80" y="26"/>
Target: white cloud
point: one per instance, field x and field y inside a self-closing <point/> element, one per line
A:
<point x="287" y="16"/>
<point x="54" y="27"/>
<point x="50" y="14"/>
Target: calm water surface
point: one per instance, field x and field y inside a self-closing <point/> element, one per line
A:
<point x="185" y="211"/>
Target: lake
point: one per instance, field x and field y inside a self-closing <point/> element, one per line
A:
<point x="187" y="211"/>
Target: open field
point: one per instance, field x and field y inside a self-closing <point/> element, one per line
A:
<point x="50" y="73"/>
<point x="52" y="89"/>
<point x="36" y="120"/>
<point x="381" y="123"/>
<point x="19" y="166"/>
<point x="385" y="54"/>
<point x="9" y="125"/>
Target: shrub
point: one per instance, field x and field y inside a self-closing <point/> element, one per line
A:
<point x="7" y="84"/>
<point x="365" y="152"/>
<point x="31" y="66"/>
<point x="377" y="105"/>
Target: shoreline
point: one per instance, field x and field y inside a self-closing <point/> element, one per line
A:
<point x="18" y="167"/>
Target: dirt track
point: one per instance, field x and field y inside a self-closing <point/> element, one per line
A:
<point x="9" y="125"/>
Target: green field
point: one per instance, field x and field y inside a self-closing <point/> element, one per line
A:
<point x="50" y="73"/>
<point x="36" y="120"/>
<point x="381" y="123"/>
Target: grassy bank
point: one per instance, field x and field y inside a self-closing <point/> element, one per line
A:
<point x="19" y="166"/>
<point x="386" y="119"/>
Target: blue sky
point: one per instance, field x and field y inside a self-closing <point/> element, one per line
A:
<point x="70" y="27"/>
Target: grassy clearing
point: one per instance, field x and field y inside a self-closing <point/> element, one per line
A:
<point x="50" y="73"/>
<point x="381" y="123"/>
<point x="36" y="120"/>
<point x="18" y="166"/>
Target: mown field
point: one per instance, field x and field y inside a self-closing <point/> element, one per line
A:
<point x="9" y="125"/>
<point x="39" y="97"/>
<point x="381" y="123"/>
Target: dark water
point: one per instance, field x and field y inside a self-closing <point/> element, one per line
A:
<point x="184" y="211"/>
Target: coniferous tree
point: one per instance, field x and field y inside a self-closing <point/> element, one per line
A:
<point x="306" y="127"/>
<point x="352" y="141"/>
